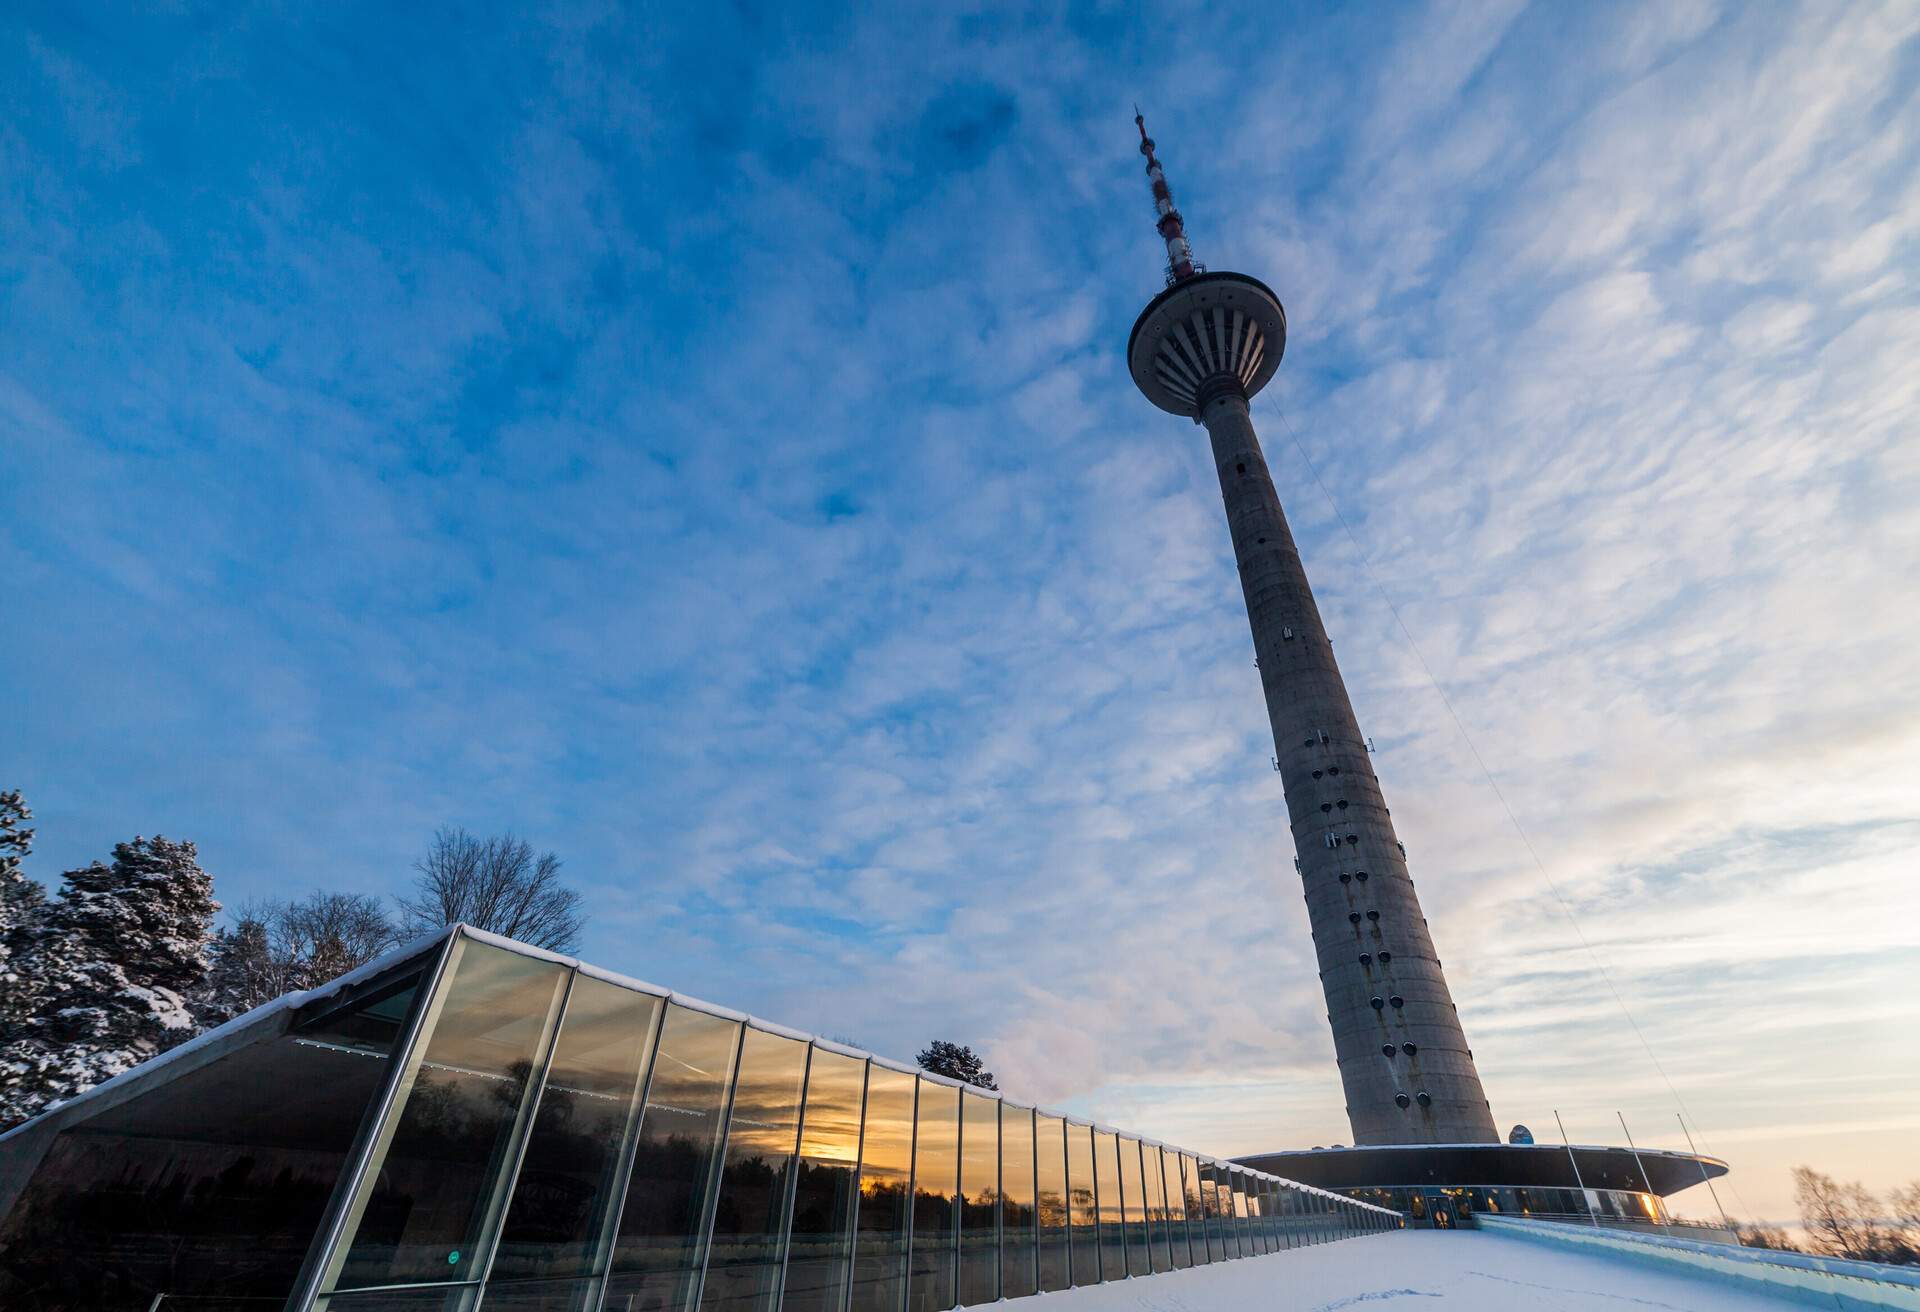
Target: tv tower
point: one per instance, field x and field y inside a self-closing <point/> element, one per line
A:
<point x="1202" y="349"/>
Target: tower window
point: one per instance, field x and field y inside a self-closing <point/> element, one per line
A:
<point x="1346" y="879"/>
<point x="1397" y="1001"/>
<point x="1353" y="918"/>
<point x="1326" y="806"/>
<point x="1422" y="1098"/>
<point x="1385" y="957"/>
<point x="1366" y="958"/>
<point x="1373" y="915"/>
<point x="1362" y="876"/>
<point x="1386" y="1050"/>
<point x="1353" y="840"/>
<point x="1376" y="1003"/>
<point x="1409" y="1049"/>
<point x="1316" y="774"/>
<point x="1333" y="769"/>
<point x="1240" y="469"/>
<point x="1342" y="804"/>
<point x="1401" y="1100"/>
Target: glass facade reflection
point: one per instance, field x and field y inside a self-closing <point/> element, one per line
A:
<point x="1050" y="1174"/>
<point x="980" y="1198"/>
<point x="477" y="1125"/>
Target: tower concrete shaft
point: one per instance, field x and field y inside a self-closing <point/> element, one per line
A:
<point x="1203" y="348"/>
<point x="1404" y="1063"/>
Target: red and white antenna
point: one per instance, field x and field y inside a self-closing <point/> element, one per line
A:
<point x="1173" y="231"/>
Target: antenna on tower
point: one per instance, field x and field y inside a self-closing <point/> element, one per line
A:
<point x="1173" y="231"/>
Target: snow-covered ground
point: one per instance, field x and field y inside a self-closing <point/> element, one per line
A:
<point x="1418" y="1271"/>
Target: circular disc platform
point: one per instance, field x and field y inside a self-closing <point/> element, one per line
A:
<point x="1212" y="326"/>
<point x="1494" y="1165"/>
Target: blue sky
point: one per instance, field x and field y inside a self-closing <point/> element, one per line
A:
<point x="702" y="445"/>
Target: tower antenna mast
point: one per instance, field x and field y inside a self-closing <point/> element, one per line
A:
<point x="1173" y="230"/>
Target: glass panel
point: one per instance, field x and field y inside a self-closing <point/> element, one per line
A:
<point x="1257" y="1213"/>
<point x="1017" y="1250"/>
<point x="936" y="1186"/>
<point x="1196" y="1202"/>
<point x="980" y="1197"/>
<point x="1217" y="1248"/>
<point x="1176" y="1212"/>
<point x="1242" y="1228"/>
<point x="1050" y="1194"/>
<point x="822" y="1230"/>
<point x="1156" y="1201"/>
<point x="663" y="1222"/>
<point x="750" y="1218"/>
<point x="563" y="1202"/>
<point x="886" y="1163"/>
<point x="435" y="1179"/>
<point x="1080" y="1205"/>
<point x="1106" y="1162"/>
<point x="1133" y="1199"/>
<point x="211" y="1182"/>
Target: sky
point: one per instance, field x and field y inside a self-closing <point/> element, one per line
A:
<point x="697" y="439"/>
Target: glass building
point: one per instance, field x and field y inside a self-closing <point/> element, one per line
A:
<point x="475" y="1123"/>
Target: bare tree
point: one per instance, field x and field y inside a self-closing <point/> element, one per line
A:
<point x="495" y="884"/>
<point x="276" y="947"/>
<point x="330" y="933"/>
<point x="1844" y="1220"/>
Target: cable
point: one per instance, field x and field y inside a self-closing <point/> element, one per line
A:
<point x="1566" y="908"/>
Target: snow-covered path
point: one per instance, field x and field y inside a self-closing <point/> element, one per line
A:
<point x="1419" y="1271"/>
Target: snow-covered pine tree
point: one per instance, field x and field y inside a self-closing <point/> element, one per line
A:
<point x="241" y="973"/>
<point x="20" y="898"/>
<point x="110" y="964"/>
<point x="21" y="903"/>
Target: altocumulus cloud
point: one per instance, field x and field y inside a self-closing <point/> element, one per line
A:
<point x="705" y="448"/>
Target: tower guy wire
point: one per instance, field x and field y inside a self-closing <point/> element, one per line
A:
<point x="1566" y="908"/>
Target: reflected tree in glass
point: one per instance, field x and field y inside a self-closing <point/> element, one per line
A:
<point x="563" y="1203"/>
<point x="886" y="1167"/>
<point x="438" y="1171"/>
<point x="1176" y="1212"/>
<point x="750" y="1216"/>
<point x="980" y="1199"/>
<point x="1081" y="1199"/>
<point x="663" y="1221"/>
<point x="209" y="1182"/>
<point x="936" y="1185"/>
<point x="821" y="1236"/>
<point x="1050" y="1195"/>
<point x="1159" y="1259"/>
<point x="1133" y="1202"/>
<point x="1018" y="1250"/>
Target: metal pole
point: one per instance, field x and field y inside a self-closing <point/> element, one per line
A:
<point x="1704" y="1177"/>
<point x="1576" y="1168"/>
<point x="1658" y="1210"/>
